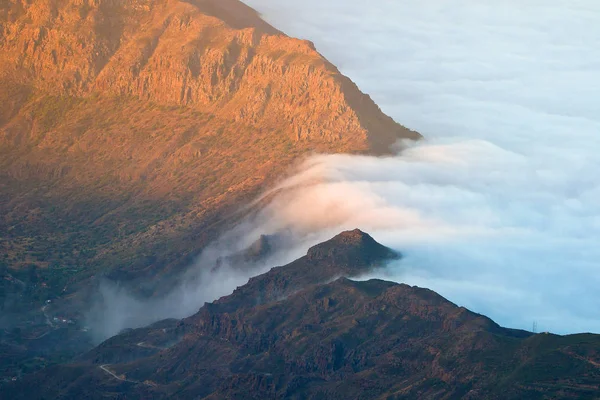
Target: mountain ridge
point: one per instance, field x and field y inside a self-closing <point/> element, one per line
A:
<point x="336" y="338"/>
<point x="173" y="53"/>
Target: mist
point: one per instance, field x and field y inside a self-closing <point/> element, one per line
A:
<point x="217" y="271"/>
<point x="498" y="209"/>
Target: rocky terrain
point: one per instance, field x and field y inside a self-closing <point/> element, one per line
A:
<point x="306" y="331"/>
<point x="131" y="132"/>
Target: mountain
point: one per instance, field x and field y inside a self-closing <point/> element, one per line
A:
<point x="132" y="132"/>
<point x="306" y="331"/>
<point x="125" y="124"/>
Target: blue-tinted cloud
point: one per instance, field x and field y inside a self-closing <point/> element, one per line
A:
<point x="500" y="210"/>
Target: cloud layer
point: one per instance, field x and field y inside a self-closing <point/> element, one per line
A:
<point x="479" y="224"/>
<point x="500" y="209"/>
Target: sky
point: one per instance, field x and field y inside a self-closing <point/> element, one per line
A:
<point x="499" y="208"/>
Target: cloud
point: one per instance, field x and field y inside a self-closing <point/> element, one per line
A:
<point x="500" y="210"/>
<point x="115" y="307"/>
<point x="485" y="227"/>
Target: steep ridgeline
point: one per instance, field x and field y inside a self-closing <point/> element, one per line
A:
<point x="305" y="331"/>
<point x="213" y="55"/>
<point x="131" y="130"/>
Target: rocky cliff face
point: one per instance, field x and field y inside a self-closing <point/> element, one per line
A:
<point x="211" y="55"/>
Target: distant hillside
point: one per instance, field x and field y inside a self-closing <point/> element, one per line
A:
<point x="294" y="333"/>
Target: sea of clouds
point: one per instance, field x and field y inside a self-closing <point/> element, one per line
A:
<point x="498" y="209"/>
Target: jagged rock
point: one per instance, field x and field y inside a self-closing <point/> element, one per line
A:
<point x="351" y="248"/>
<point x="216" y="56"/>
<point x="247" y="258"/>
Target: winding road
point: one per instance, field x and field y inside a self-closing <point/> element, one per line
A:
<point x="108" y="371"/>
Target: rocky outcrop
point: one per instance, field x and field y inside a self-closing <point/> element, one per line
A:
<point x="353" y="250"/>
<point x="349" y="254"/>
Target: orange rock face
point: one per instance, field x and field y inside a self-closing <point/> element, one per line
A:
<point x="127" y="125"/>
<point x="211" y="55"/>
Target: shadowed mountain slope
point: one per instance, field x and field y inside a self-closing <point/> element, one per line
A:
<point x="304" y="336"/>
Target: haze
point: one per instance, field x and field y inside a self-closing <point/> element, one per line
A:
<point x="500" y="210"/>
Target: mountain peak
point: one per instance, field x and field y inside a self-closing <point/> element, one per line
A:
<point x="234" y="13"/>
<point x="215" y="56"/>
<point x="180" y="109"/>
<point x="349" y="254"/>
<point x="351" y="248"/>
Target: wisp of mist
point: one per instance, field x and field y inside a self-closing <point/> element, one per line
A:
<point x="498" y="209"/>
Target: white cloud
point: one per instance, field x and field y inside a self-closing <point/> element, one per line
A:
<point x="510" y="236"/>
<point x="500" y="210"/>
